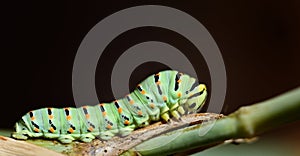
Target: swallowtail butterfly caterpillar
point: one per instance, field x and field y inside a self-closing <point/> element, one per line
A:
<point x="160" y="96"/>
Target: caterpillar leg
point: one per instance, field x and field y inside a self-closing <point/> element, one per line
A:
<point x="51" y="136"/>
<point x="165" y="113"/>
<point x="124" y="131"/>
<point x="166" y="117"/>
<point x="19" y="136"/>
<point x="87" y="137"/>
<point x="175" y="114"/>
<point x="171" y="111"/>
<point x="66" y="139"/>
<point x="181" y="110"/>
<point x="108" y="134"/>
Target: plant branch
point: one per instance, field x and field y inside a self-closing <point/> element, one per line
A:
<point x="248" y="121"/>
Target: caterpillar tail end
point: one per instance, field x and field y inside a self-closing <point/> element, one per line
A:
<point x="20" y="133"/>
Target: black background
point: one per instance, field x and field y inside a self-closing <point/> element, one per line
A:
<point x="259" y="41"/>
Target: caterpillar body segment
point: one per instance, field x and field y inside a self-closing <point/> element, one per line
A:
<point x="137" y="110"/>
<point x="160" y="96"/>
<point x="69" y="127"/>
<point x="147" y="100"/>
<point x="108" y="121"/>
<point x="89" y="117"/>
<point x="125" y="120"/>
<point x="51" y="118"/>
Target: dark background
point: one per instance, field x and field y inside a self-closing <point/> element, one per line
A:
<point x="259" y="41"/>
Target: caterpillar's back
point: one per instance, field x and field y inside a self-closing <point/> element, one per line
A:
<point x="160" y="96"/>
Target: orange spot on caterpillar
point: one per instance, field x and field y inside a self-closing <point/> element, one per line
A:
<point x="32" y="118"/>
<point x="140" y="113"/>
<point x="108" y="126"/>
<point x="164" y="98"/>
<point x="71" y="130"/>
<point x="36" y="129"/>
<point x="157" y="74"/>
<point x="103" y="113"/>
<point x="51" y="130"/>
<point x="69" y="117"/>
<point x="126" y="122"/>
<point x="50" y="116"/>
<point x="152" y="105"/>
<point x="131" y="102"/>
<point x="87" y="116"/>
<point x="179" y="94"/>
<point x="120" y="110"/>
<point x="143" y="92"/>
<point x="179" y="81"/>
<point x="91" y="128"/>
<point x="158" y="82"/>
<point x="101" y="104"/>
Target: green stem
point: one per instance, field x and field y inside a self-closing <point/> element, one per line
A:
<point x="246" y="122"/>
<point x="258" y="118"/>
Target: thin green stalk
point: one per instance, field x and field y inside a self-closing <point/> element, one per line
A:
<point x="246" y="122"/>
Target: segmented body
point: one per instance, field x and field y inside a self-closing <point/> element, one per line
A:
<point x="161" y="96"/>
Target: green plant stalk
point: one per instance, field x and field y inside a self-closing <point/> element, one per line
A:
<point x="246" y="122"/>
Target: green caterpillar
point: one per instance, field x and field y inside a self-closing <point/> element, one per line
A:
<point x="161" y="96"/>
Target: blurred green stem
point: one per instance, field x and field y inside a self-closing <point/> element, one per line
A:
<point x="246" y="122"/>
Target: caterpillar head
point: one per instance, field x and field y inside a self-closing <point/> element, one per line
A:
<point x="196" y="99"/>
